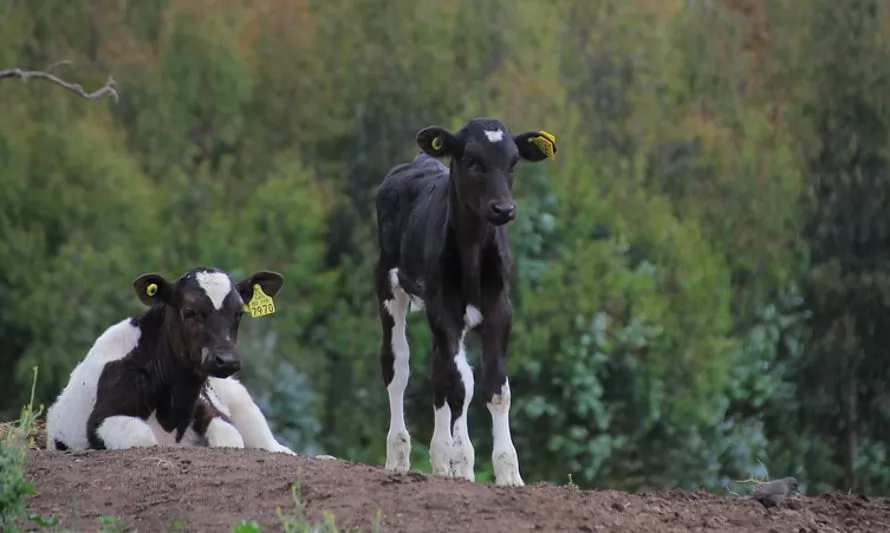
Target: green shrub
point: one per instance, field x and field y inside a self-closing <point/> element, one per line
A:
<point x="14" y="486"/>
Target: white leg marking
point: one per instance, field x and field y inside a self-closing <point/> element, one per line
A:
<point x="221" y="434"/>
<point x="503" y="455"/>
<point x="398" y="440"/>
<point x="416" y="304"/>
<point x="216" y="286"/>
<point x="191" y="439"/>
<point x="441" y="443"/>
<point x="472" y="317"/>
<point x="122" y="432"/>
<point x="394" y="278"/>
<point x="494" y="136"/>
<point x="463" y="456"/>
<point x="231" y="397"/>
<point x="165" y="438"/>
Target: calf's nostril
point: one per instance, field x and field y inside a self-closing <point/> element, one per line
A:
<point x="503" y="209"/>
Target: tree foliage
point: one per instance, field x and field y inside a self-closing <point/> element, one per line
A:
<point x="701" y="274"/>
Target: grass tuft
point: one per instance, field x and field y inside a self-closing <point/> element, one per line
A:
<point x="751" y="480"/>
<point x="298" y="522"/>
<point x="15" y="441"/>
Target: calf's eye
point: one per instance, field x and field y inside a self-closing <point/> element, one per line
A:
<point x="189" y="314"/>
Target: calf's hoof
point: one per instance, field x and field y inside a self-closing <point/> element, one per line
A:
<point x="463" y="460"/>
<point x="398" y="452"/>
<point x="283" y="449"/>
<point x="506" y="469"/>
<point x="513" y="480"/>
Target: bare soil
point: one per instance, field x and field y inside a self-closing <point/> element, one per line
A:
<point x="210" y="490"/>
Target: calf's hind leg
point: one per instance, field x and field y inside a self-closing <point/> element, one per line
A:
<point x="121" y="432"/>
<point x="394" y="364"/>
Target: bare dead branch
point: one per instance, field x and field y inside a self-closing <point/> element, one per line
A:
<point x="25" y="75"/>
<point x="56" y="64"/>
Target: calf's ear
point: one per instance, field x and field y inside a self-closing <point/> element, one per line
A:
<point x="536" y="146"/>
<point x="152" y="289"/>
<point x="269" y="281"/>
<point x="437" y="141"/>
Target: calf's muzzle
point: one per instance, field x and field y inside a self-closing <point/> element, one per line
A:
<point x="221" y="364"/>
<point x="501" y="212"/>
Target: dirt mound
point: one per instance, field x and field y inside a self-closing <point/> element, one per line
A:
<point x="210" y="490"/>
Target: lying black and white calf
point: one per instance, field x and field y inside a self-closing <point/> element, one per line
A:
<point x="165" y="377"/>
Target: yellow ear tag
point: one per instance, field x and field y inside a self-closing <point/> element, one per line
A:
<point x="436" y="143"/>
<point x="152" y="289"/>
<point x="261" y="304"/>
<point x="545" y="142"/>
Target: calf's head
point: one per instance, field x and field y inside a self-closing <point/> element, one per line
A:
<point x="483" y="156"/>
<point x="202" y="311"/>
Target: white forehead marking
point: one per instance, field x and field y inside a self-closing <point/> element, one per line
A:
<point x="216" y="286"/>
<point x="494" y="136"/>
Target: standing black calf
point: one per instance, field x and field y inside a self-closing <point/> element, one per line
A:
<point x="443" y="247"/>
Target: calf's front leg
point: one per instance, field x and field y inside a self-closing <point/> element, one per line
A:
<point x="221" y="434"/>
<point x="451" y="451"/>
<point x="495" y="333"/>
<point x="245" y="425"/>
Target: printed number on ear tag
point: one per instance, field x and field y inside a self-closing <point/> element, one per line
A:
<point x="261" y="304"/>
